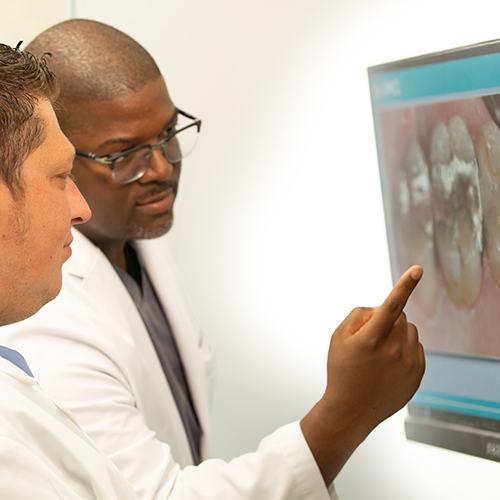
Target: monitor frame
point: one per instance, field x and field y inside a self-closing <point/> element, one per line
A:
<point x="477" y="436"/>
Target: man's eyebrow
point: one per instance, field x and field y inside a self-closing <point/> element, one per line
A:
<point x="125" y="141"/>
<point x="66" y="164"/>
<point x="70" y="158"/>
<point x="117" y="140"/>
<point x="172" y="121"/>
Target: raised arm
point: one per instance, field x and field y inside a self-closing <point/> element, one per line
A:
<point x="375" y="365"/>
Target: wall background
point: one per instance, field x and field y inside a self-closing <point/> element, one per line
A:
<point x="24" y="19"/>
<point x="279" y="228"/>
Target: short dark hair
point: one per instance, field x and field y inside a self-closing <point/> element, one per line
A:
<point x="24" y="80"/>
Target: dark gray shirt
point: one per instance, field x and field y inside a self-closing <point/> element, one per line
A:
<point x="144" y="296"/>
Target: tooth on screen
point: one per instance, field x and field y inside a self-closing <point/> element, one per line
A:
<point x="460" y="140"/>
<point x="440" y="145"/>
<point x="457" y="210"/>
<point x="489" y="182"/>
<point x="416" y="211"/>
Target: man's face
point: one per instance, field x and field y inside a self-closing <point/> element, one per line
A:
<point x="35" y="227"/>
<point x="141" y="209"/>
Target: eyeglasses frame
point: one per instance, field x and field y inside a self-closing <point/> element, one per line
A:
<point x="109" y="160"/>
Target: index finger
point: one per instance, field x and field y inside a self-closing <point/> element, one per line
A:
<point x="386" y="315"/>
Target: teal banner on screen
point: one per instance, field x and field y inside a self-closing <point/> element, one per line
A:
<point x="473" y="75"/>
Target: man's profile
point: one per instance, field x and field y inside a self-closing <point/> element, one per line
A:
<point x="43" y="453"/>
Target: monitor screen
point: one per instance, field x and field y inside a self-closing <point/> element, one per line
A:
<point x="437" y="127"/>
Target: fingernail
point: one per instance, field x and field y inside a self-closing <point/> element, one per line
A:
<point x="416" y="273"/>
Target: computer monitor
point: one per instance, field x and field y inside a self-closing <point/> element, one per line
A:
<point x="437" y="126"/>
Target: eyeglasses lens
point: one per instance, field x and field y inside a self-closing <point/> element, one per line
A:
<point x="133" y="166"/>
<point x="181" y="145"/>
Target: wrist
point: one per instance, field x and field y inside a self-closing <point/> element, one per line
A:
<point x="347" y="424"/>
<point x="332" y="435"/>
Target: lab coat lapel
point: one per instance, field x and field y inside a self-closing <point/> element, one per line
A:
<point x="155" y="257"/>
<point x="106" y="286"/>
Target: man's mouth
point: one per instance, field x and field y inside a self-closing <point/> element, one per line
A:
<point x="157" y="203"/>
<point x="154" y="198"/>
<point x="67" y="249"/>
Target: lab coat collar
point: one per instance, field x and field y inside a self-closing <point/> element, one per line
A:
<point x="153" y="255"/>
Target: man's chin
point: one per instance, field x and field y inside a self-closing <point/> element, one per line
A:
<point x="151" y="231"/>
<point x="49" y="294"/>
<point x="30" y="307"/>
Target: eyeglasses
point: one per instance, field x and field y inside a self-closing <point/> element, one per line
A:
<point x="178" y="141"/>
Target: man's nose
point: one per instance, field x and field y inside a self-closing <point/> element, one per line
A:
<point x="79" y="208"/>
<point x="159" y="167"/>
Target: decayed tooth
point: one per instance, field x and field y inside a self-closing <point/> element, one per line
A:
<point x="416" y="218"/>
<point x="488" y="151"/>
<point x="440" y="145"/>
<point x="457" y="210"/>
<point x="460" y="140"/>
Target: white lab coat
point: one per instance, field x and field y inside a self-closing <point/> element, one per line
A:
<point x="90" y="349"/>
<point x="43" y="453"/>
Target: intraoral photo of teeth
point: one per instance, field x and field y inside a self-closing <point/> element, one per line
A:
<point x="441" y="164"/>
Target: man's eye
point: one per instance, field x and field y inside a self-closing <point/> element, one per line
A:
<point x="66" y="176"/>
<point x="124" y="159"/>
<point x="168" y="132"/>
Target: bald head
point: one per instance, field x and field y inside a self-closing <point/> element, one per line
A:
<point x="93" y="61"/>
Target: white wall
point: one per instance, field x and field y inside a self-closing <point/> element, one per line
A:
<point x="24" y="19"/>
<point x="279" y="228"/>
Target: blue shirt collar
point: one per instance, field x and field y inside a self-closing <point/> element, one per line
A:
<point x="15" y="358"/>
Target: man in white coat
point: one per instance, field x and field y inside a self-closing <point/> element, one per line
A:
<point x="43" y="453"/>
<point x="117" y="347"/>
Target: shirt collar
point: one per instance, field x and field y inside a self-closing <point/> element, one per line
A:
<point x="15" y="358"/>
